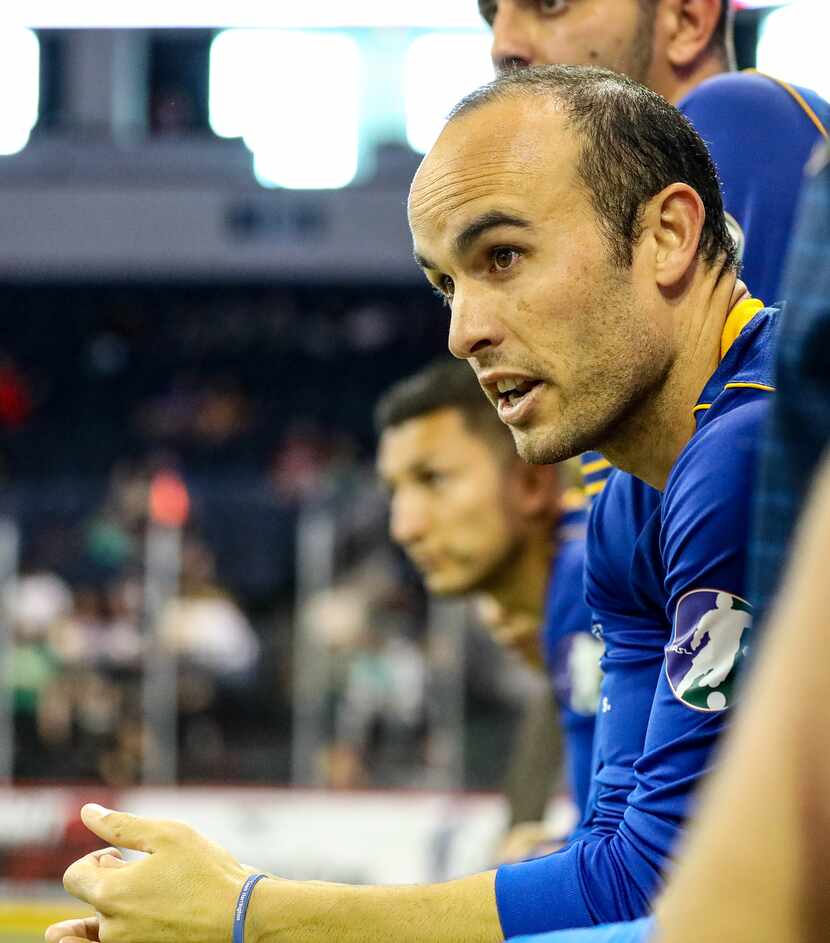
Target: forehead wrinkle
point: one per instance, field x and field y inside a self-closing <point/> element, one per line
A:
<point x="449" y="181"/>
<point x="444" y="197"/>
<point x="466" y="168"/>
<point x="442" y="208"/>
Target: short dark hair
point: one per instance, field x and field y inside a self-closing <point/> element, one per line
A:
<point x="634" y="144"/>
<point x="445" y="383"/>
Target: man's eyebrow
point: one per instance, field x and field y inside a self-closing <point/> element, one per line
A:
<point x="473" y="230"/>
<point x="482" y="223"/>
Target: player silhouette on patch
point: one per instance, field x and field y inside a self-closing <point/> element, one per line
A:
<point x="715" y="660"/>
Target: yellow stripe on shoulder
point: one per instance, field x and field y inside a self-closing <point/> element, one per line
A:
<point x="598" y="464"/>
<point x="594" y="487"/>
<point x="573" y="499"/>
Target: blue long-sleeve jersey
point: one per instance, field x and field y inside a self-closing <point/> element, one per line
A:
<point x="665" y="578"/>
<point x="572" y="654"/>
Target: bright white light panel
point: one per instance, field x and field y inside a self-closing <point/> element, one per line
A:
<point x="294" y="99"/>
<point x="20" y="82"/>
<point x="440" y="69"/>
<point x="793" y="44"/>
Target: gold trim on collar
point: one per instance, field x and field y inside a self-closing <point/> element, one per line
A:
<point x="736" y="321"/>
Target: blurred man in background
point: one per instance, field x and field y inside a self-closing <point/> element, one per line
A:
<point x="475" y="519"/>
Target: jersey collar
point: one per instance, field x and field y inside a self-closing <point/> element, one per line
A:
<point x="737" y="319"/>
<point x="746" y="355"/>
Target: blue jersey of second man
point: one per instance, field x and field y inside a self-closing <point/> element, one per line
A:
<point x="572" y="654"/>
<point x="670" y="605"/>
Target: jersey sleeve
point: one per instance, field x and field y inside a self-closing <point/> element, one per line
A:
<point x="613" y="872"/>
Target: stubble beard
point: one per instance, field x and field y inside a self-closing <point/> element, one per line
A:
<point x="609" y="399"/>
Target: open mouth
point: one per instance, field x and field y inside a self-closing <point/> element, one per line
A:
<point x="511" y="392"/>
<point x="515" y="397"/>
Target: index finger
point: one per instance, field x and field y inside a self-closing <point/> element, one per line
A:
<point x="125" y="830"/>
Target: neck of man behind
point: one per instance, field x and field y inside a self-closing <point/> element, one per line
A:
<point x="678" y="82"/>
<point x="517" y="591"/>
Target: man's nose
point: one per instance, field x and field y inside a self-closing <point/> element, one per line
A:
<point x="472" y="329"/>
<point x="407" y="521"/>
<point x="512" y="46"/>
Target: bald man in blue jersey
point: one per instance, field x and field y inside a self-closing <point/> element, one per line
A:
<point x="574" y="224"/>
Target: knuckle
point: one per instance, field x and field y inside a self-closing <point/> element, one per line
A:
<point x="175" y="831"/>
<point x="120" y="827"/>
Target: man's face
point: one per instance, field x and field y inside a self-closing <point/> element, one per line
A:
<point x="450" y="501"/>
<point x="564" y="343"/>
<point x="613" y="34"/>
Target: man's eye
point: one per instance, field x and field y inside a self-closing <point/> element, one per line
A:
<point x="503" y="258"/>
<point x="552" y="6"/>
<point x="431" y="478"/>
<point x="445" y="289"/>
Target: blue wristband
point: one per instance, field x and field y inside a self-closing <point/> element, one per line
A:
<point x="242" y="907"/>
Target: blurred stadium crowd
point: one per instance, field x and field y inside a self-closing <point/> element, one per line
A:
<point x="128" y="382"/>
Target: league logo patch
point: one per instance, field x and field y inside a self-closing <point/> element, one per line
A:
<point x="708" y="644"/>
<point x="577" y="675"/>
